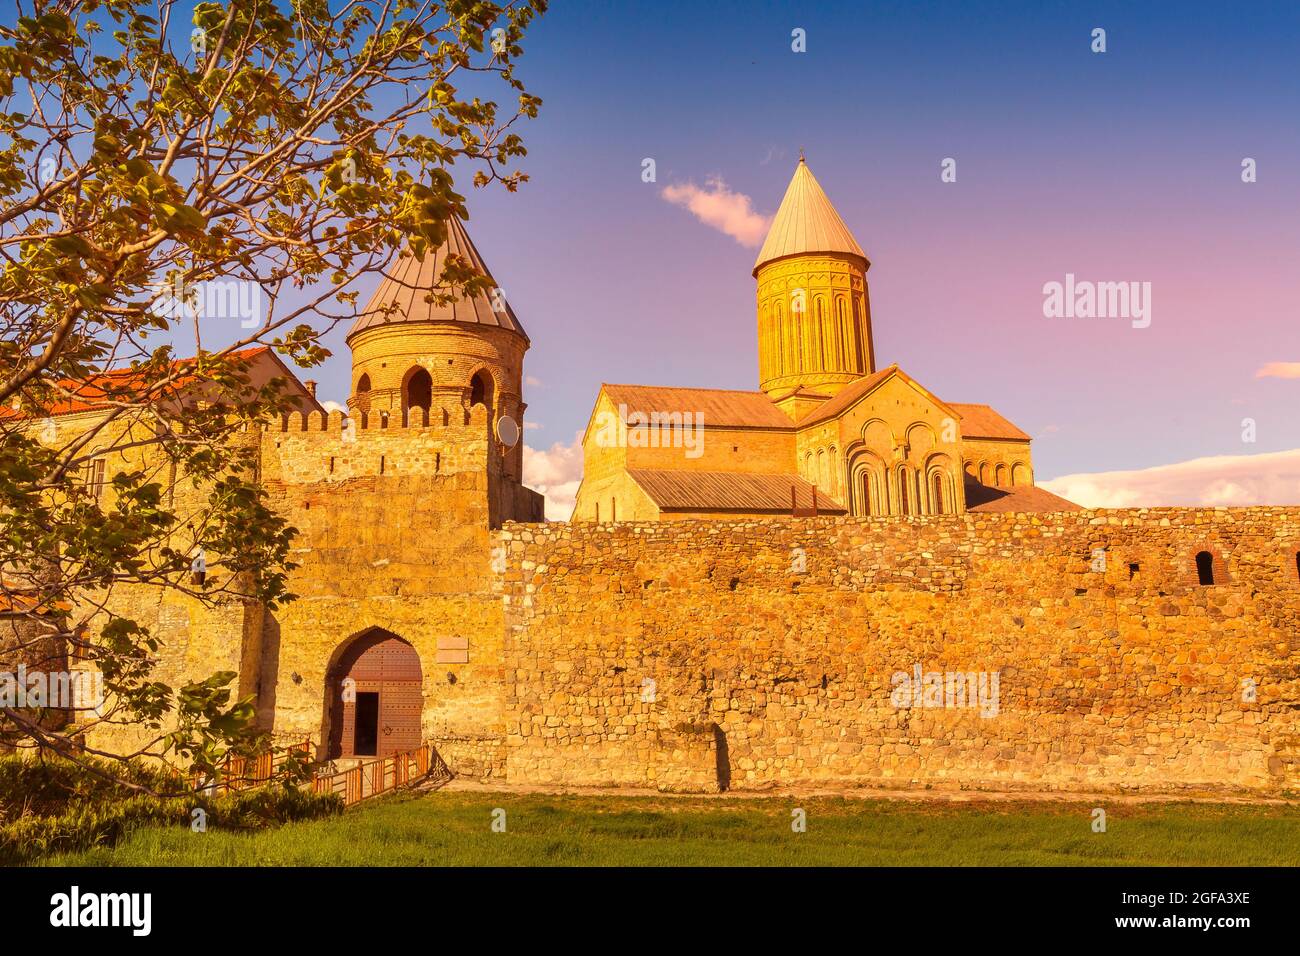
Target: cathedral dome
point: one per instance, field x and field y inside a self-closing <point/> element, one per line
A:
<point x="806" y="223"/>
<point x="409" y="280"/>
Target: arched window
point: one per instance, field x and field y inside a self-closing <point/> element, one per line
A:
<point x="777" y="337"/>
<point x="480" y="390"/>
<point x="815" y="333"/>
<point x="936" y="500"/>
<point x="1297" y="563"/>
<point x="984" y="473"/>
<point x="866" y="493"/>
<point x="1001" y="476"/>
<point x="904" y="493"/>
<point x="419" y="390"/>
<point x="1205" y="567"/>
<point x="846" y="357"/>
<point x="363" y="384"/>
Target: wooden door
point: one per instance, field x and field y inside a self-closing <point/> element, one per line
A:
<point x="381" y="664"/>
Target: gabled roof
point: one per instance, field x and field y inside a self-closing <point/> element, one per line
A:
<point x="729" y="491"/>
<point x="852" y="393"/>
<point x="806" y="222"/>
<point x="721" y="408"/>
<point x="408" y="280"/>
<point x="982" y="498"/>
<point x="983" y="421"/>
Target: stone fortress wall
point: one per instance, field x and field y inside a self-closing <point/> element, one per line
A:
<point x="747" y="654"/>
<point x="393" y="520"/>
<point x="752" y="654"/>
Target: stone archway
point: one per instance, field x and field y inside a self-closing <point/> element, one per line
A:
<point x="374" y="696"/>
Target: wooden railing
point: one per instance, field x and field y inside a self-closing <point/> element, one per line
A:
<point x="368" y="779"/>
<point x="245" y="773"/>
<point x="382" y="774"/>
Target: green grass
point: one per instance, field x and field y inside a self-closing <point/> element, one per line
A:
<point x="454" y="829"/>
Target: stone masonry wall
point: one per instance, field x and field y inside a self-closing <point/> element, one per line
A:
<point x="393" y="533"/>
<point x="753" y="654"/>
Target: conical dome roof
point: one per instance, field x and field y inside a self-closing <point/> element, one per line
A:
<point x="408" y="280"/>
<point x="806" y="223"/>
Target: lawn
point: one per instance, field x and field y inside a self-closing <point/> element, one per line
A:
<point x="455" y="829"/>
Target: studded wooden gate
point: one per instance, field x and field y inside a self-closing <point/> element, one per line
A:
<point x="377" y="687"/>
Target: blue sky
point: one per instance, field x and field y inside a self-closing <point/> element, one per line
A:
<point x="1116" y="166"/>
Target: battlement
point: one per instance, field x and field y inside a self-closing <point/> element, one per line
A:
<point x="337" y="422"/>
<point x="310" y="448"/>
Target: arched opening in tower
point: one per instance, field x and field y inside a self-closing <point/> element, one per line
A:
<point x="363" y="393"/>
<point x="480" y="391"/>
<point x="419" y="390"/>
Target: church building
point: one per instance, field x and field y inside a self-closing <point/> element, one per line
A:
<point x="827" y="431"/>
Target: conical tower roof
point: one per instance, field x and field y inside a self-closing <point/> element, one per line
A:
<point x="408" y="280"/>
<point x="806" y="223"/>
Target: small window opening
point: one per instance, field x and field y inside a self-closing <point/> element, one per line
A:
<point x="1205" y="568"/>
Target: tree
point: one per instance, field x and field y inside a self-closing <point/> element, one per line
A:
<point x="273" y="150"/>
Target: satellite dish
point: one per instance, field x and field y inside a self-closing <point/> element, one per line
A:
<point x="507" y="431"/>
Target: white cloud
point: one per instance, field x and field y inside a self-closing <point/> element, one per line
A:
<point x="1279" y="370"/>
<point x="533" y="381"/>
<point x="332" y="406"/>
<point x="718" y="206"/>
<point x="556" y="473"/>
<point x="1272" y="478"/>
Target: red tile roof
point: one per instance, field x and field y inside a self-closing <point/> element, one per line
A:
<point x="99" y="391"/>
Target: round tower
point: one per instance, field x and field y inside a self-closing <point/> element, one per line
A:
<point x="814" y="315"/>
<point x="426" y="357"/>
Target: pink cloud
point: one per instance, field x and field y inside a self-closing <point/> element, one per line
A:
<point x="556" y="473"/>
<point x="1279" y="370"/>
<point x="1230" y="480"/>
<point x="718" y="206"/>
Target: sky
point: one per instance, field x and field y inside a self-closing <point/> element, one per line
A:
<point x="1116" y="166"/>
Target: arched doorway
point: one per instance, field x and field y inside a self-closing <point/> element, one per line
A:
<point x="374" y="697"/>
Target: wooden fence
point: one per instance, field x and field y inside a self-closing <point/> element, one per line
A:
<point x="383" y="774"/>
<point x="368" y="779"/>
<point x="246" y="773"/>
